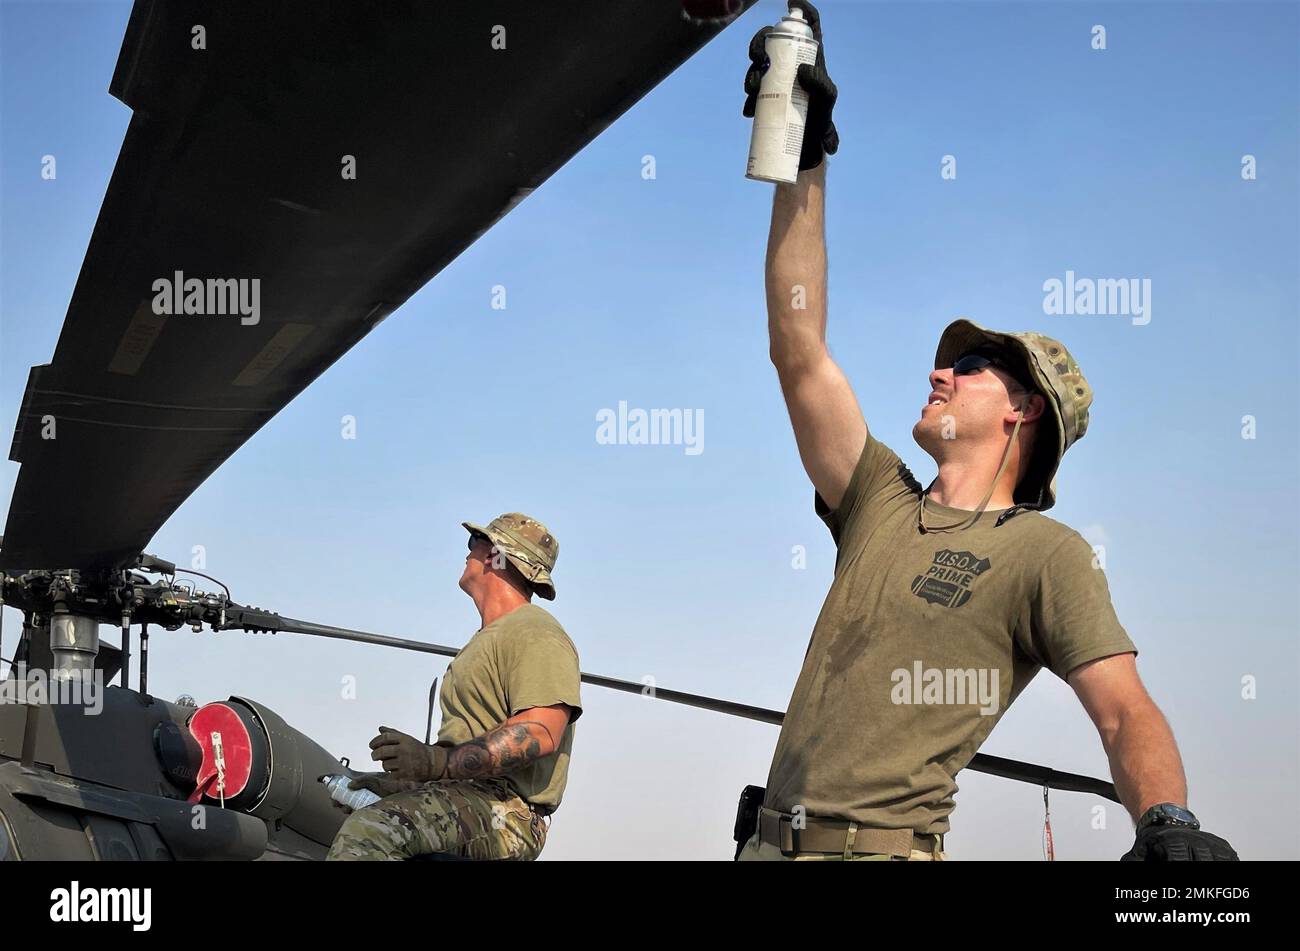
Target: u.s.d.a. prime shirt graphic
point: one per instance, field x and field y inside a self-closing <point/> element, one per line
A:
<point x="923" y="642"/>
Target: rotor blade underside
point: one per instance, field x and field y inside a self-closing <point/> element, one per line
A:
<point x="233" y="168"/>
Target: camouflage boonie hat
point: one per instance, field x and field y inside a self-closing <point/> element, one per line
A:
<point x="1055" y="374"/>
<point x="527" y="544"/>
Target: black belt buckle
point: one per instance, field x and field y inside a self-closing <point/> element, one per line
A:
<point x="751" y="800"/>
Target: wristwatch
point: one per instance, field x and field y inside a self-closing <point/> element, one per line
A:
<point x="1168" y="814"/>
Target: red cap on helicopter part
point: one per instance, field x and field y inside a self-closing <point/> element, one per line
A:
<point x="226" y="743"/>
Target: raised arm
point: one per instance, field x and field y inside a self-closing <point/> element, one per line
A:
<point x="829" y="427"/>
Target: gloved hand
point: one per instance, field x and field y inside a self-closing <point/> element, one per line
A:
<point x="1158" y="843"/>
<point x="819" y="135"/>
<point x="382" y="784"/>
<point x="405" y="757"/>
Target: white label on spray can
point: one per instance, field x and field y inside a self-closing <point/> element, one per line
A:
<point x="780" y="110"/>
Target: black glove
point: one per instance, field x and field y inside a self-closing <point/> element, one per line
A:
<point x="1159" y="843"/>
<point x="819" y="135"/>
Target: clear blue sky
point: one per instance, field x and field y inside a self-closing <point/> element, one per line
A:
<point x="1117" y="163"/>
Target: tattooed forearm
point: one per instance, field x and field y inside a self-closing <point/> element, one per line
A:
<point x="501" y="751"/>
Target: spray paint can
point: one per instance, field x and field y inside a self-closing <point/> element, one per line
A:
<point x="782" y="106"/>
<point x="352" y="799"/>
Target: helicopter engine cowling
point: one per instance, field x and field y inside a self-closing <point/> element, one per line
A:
<point x="254" y="762"/>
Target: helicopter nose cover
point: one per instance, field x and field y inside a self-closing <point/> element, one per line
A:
<point x="227" y="753"/>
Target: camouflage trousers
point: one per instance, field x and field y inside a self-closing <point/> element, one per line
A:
<point x="756" y="850"/>
<point x="473" y="819"/>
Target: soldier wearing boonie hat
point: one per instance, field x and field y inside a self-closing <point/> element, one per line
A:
<point x="946" y="600"/>
<point x="1054" y="374"/>
<point x="527" y="545"/>
<point x="488" y="787"/>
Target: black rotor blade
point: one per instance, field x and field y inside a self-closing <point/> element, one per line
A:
<point x="233" y="168"/>
<point x="980" y="762"/>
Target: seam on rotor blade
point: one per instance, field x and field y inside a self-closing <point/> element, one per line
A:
<point x="169" y="429"/>
<point x="174" y="406"/>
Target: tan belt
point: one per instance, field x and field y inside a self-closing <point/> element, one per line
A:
<point x="839" y="835"/>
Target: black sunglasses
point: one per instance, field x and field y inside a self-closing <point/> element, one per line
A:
<point x="477" y="537"/>
<point x="975" y="362"/>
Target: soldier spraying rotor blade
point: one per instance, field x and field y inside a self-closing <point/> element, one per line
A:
<point x="936" y="590"/>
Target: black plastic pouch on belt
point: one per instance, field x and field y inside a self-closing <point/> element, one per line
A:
<point x="751" y="800"/>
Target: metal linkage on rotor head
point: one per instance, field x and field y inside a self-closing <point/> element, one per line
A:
<point x="68" y="605"/>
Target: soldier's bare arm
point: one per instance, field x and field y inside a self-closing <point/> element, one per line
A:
<point x="828" y="424"/>
<point x="1143" y="756"/>
<point x="527" y="736"/>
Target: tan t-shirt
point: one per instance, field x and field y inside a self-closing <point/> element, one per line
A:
<point x="521" y="660"/>
<point x="923" y="642"/>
